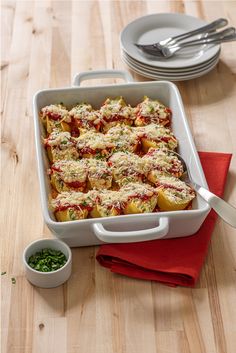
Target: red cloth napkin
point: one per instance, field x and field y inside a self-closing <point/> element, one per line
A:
<point x="171" y="261"/>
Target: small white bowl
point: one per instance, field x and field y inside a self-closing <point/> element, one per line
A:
<point x="47" y="279"/>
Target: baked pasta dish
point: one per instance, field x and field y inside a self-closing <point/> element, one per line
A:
<point x="111" y="161"/>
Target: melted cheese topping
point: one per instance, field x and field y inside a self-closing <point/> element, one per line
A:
<point x="70" y="171"/>
<point x="138" y="198"/>
<point x="153" y="110"/>
<point x="60" y="139"/>
<point x="137" y="190"/>
<point x="67" y="154"/>
<point x="57" y="112"/>
<point x="72" y="199"/>
<point x="86" y="115"/>
<point x="94" y="141"/>
<point x="81" y="110"/>
<point x="116" y="108"/>
<point x="158" y="133"/>
<point x="97" y="168"/>
<point x="176" y="190"/>
<point x="109" y="199"/>
<point x="126" y="167"/>
<point x="163" y="161"/>
<point x="123" y="137"/>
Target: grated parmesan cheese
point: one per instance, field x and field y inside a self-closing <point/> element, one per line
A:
<point x="126" y="167"/>
<point x="116" y="108"/>
<point x="70" y="171"/>
<point x="123" y="137"/>
<point x="56" y="111"/>
<point x="94" y="141"/>
<point x="72" y="199"/>
<point x="153" y="111"/>
<point x="86" y="116"/>
<point x="175" y="189"/>
<point x="60" y="139"/>
<point x="158" y="133"/>
<point x="132" y="190"/>
<point x="162" y="160"/>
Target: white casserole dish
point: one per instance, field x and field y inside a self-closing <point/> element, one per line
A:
<point x="127" y="228"/>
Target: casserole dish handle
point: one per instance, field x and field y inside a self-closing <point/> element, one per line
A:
<point x="89" y="75"/>
<point x="109" y="236"/>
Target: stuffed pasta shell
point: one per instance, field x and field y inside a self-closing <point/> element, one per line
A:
<point x="60" y="145"/>
<point x="69" y="175"/>
<point x="84" y="119"/>
<point x="115" y="111"/>
<point x="151" y="111"/>
<point x="55" y="116"/>
<point x="126" y="167"/>
<point x="173" y="194"/>
<point x="156" y="161"/>
<point x="124" y="138"/>
<point x="156" y="136"/>
<point x="72" y="206"/>
<point x="94" y="145"/>
<point x="138" y="198"/>
<point x="106" y="203"/>
<point x="99" y="174"/>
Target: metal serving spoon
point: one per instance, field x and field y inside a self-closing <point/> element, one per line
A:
<point x="222" y="208"/>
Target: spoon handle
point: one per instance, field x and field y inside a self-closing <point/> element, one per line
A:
<point x="222" y="208"/>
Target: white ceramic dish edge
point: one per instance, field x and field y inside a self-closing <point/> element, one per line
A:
<point x="128" y="228"/>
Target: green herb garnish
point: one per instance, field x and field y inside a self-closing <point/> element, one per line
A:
<point x="13" y="280"/>
<point x="47" y="260"/>
<point x="98" y="156"/>
<point x="3" y="273"/>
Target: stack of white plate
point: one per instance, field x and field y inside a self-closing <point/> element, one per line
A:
<point x="185" y="65"/>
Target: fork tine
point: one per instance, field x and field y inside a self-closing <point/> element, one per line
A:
<point x="156" y="53"/>
<point x="148" y="47"/>
<point x="150" y="50"/>
<point x="145" y="46"/>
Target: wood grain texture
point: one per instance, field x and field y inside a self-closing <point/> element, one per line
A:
<point x="44" y="43"/>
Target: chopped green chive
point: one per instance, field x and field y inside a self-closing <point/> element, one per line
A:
<point x="47" y="260"/>
<point x="13" y="280"/>
<point x="3" y="273"/>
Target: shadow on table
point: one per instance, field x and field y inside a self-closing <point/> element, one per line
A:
<point x="210" y="88"/>
<point x="207" y="89"/>
<point x="78" y="291"/>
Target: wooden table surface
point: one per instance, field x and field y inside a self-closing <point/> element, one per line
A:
<point x="44" y="43"/>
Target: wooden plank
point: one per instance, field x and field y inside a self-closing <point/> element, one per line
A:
<point x="44" y="43"/>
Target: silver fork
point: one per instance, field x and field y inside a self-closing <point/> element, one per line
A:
<point x="167" y="52"/>
<point x="221" y="22"/>
<point x="226" y="211"/>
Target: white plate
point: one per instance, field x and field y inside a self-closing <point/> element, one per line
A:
<point x="183" y="77"/>
<point x="158" y="76"/>
<point x="173" y="77"/>
<point x="167" y="70"/>
<point x="152" y="71"/>
<point x="156" y="27"/>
